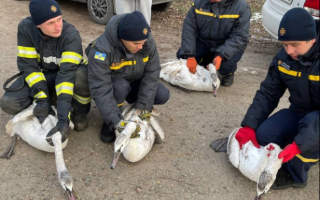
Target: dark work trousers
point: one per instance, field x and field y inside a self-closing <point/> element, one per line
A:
<point x="281" y="128"/>
<point x="204" y="56"/>
<point x="13" y="102"/>
<point x="124" y="90"/>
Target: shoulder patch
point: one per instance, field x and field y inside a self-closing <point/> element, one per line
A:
<point x="100" y="56"/>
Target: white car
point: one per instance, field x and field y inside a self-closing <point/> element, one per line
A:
<point x="102" y="10"/>
<point x="273" y="11"/>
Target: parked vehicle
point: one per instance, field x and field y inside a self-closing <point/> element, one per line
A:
<point x="102" y="10"/>
<point x="273" y="11"/>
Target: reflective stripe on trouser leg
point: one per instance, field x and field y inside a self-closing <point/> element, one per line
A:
<point x="301" y="164"/>
<point x="81" y="105"/>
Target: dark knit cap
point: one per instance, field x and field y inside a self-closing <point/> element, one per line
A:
<point x="133" y="27"/>
<point x="297" y="25"/>
<point x="43" y="10"/>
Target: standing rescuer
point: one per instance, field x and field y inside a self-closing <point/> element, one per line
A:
<point x="124" y="66"/>
<point x="296" y="129"/>
<point x="50" y="60"/>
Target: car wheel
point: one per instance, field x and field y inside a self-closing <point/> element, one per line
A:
<point x="100" y="10"/>
<point x="162" y="6"/>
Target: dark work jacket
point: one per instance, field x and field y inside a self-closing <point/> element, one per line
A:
<point x="108" y="58"/>
<point x="223" y="26"/>
<point x="301" y="78"/>
<point x="38" y="53"/>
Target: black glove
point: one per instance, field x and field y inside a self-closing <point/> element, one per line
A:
<point x="145" y="115"/>
<point x="42" y="110"/>
<point x="63" y="127"/>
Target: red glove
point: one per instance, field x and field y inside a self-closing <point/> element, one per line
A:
<point x="217" y="62"/>
<point x="192" y="64"/>
<point x="245" y="135"/>
<point x="289" y="152"/>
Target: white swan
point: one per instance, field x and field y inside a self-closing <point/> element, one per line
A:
<point x="258" y="164"/>
<point x="177" y="73"/>
<point x="27" y="126"/>
<point x="135" y="146"/>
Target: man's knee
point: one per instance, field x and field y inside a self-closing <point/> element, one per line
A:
<point x="162" y="96"/>
<point x="120" y="84"/>
<point x="11" y="105"/>
<point x="310" y="117"/>
<point x="262" y="137"/>
<point x="121" y="88"/>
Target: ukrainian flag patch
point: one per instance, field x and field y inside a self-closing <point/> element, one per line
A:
<point x="100" y="56"/>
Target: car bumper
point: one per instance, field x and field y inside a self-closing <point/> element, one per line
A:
<point x="270" y="19"/>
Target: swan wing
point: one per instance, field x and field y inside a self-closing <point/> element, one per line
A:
<point x="233" y="149"/>
<point x="157" y="129"/>
<point x="252" y="161"/>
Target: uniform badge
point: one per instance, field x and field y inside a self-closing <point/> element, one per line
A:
<point x="145" y="31"/>
<point x="53" y="9"/>
<point x="282" y="31"/>
<point x="284" y="65"/>
<point x="100" y="56"/>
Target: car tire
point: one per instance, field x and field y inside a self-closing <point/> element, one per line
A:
<point x="162" y="6"/>
<point x="100" y="10"/>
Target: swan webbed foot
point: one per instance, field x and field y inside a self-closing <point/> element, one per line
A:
<point x="10" y="150"/>
<point x="220" y="145"/>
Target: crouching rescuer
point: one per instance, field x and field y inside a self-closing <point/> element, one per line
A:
<point x="52" y="69"/>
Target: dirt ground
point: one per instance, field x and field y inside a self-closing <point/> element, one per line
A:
<point x="184" y="166"/>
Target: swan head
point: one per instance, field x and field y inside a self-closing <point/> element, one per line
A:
<point x="214" y="78"/>
<point x="268" y="176"/>
<point x="122" y="141"/>
<point x="66" y="182"/>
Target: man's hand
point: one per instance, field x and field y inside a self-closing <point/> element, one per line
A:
<point x="145" y="115"/>
<point x="245" y="135"/>
<point x="121" y="125"/>
<point x="192" y="64"/>
<point x="63" y="127"/>
<point x="42" y="110"/>
<point x="217" y="62"/>
<point x="289" y="152"/>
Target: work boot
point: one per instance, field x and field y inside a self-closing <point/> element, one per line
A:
<point x="227" y="80"/>
<point x="106" y="134"/>
<point x="80" y="122"/>
<point x="284" y="180"/>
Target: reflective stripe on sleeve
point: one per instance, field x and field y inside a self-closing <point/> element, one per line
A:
<point x="27" y="52"/>
<point x="120" y="104"/>
<point x="65" y="87"/>
<point x="40" y="95"/>
<point x="34" y="78"/>
<point x="71" y="57"/>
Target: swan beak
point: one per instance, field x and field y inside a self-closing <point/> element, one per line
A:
<point x="71" y="195"/>
<point x="115" y="159"/>
<point x="214" y="90"/>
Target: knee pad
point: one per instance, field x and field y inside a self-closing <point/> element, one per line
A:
<point x="81" y="84"/>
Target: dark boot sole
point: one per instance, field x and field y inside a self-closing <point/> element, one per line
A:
<point x="294" y="185"/>
<point x="107" y="139"/>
